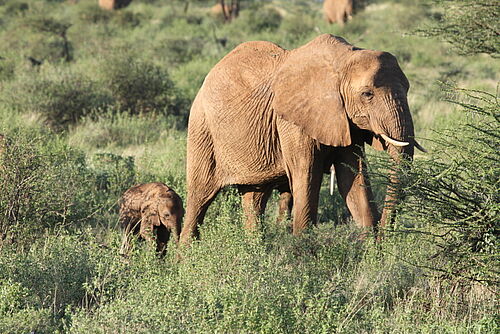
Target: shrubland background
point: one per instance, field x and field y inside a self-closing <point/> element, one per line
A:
<point x="93" y="102"/>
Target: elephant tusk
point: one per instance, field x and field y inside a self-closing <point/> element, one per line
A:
<point x="420" y="147"/>
<point x="393" y="141"/>
<point x="332" y="180"/>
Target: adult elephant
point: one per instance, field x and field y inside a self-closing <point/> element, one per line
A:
<point x="338" y="11"/>
<point x="268" y="118"/>
<point x="113" y="4"/>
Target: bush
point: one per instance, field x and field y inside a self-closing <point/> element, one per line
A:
<point x="51" y="49"/>
<point x="28" y="320"/>
<point x="57" y="273"/>
<point x="59" y="45"/>
<point x="60" y="269"/>
<point x="44" y="185"/>
<point x="139" y="86"/>
<point x="13" y="297"/>
<point x="14" y="7"/>
<point x="61" y="99"/>
<point x="455" y="193"/>
<point x="109" y="130"/>
<point x="180" y="50"/>
<point x="297" y="26"/>
<point x="471" y="26"/>
<point x="189" y="76"/>
<point x="114" y="174"/>
<point x="127" y="19"/>
<point x="259" y="18"/>
<point x="90" y="12"/>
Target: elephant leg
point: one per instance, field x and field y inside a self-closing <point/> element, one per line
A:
<point x="254" y="202"/>
<point x="354" y="185"/>
<point x="162" y="237"/>
<point x="304" y="168"/>
<point x="285" y="204"/>
<point x="197" y="206"/>
<point x="202" y="183"/>
<point x="305" y="189"/>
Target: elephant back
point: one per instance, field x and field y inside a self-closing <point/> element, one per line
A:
<point x="246" y="67"/>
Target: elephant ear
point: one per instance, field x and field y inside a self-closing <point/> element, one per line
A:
<point x="307" y="90"/>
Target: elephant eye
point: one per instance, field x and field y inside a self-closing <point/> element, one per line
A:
<point x="367" y="94"/>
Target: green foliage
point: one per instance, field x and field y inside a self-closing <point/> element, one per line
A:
<point x="58" y="30"/>
<point x="471" y="26"/>
<point x="128" y="19"/>
<point x="40" y="284"/>
<point x="138" y="86"/>
<point x="297" y="26"/>
<point x="456" y="191"/>
<point x="258" y="18"/>
<point x="28" y="320"/>
<point x="7" y="69"/>
<point x="51" y="49"/>
<point x="180" y="50"/>
<point x="60" y="269"/>
<point x="233" y="281"/>
<point x="105" y="130"/>
<point x="60" y="98"/>
<point x="91" y="13"/>
<point x="114" y="173"/>
<point x="13" y="297"/>
<point x="48" y="25"/>
<point x="189" y="76"/>
<point x="44" y="185"/>
<point x="14" y="7"/>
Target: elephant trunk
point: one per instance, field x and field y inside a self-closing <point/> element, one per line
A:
<point x="401" y="152"/>
<point x="176" y="230"/>
<point x="176" y="234"/>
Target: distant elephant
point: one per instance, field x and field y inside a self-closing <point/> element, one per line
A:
<point x="266" y="118"/>
<point x="227" y="10"/>
<point x="113" y="4"/>
<point x="216" y="10"/>
<point x="148" y="208"/>
<point x="338" y="11"/>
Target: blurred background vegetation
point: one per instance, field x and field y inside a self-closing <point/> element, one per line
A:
<point x="94" y="101"/>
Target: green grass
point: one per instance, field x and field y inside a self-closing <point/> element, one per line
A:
<point x="82" y="130"/>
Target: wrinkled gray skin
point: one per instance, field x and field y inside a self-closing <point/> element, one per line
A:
<point x="149" y="209"/>
<point x="268" y="118"/>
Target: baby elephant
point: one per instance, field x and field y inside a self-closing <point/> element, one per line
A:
<point x="148" y="208"/>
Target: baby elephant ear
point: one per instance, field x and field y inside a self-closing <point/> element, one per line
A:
<point x="307" y="91"/>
